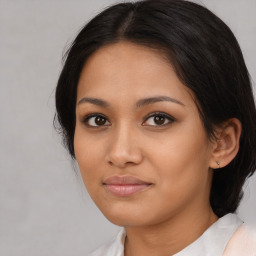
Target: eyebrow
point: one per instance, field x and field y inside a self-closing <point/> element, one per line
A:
<point x="139" y="103"/>
<point x="151" y="100"/>
<point x="94" y="101"/>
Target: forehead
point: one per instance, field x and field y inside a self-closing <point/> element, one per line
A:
<point x="126" y="69"/>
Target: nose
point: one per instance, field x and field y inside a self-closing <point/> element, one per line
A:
<point x="124" y="149"/>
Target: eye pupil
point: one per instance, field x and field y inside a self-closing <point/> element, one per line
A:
<point x="100" y="120"/>
<point x="159" y="120"/>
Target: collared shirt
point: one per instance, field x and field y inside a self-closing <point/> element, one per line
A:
<point x="211" y="243"/>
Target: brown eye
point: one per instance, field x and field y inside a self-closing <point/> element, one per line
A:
<point x="100" y="120"/>
<point x="96" y="120"/>
<point x="158" y="119"/>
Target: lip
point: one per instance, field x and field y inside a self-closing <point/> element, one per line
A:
<point x="124" y="186"/>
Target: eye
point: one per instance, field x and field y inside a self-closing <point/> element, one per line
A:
<point x="96" y="120"/>
<point x="158" y="119"/>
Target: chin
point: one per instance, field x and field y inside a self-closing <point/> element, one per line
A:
<point x="125" y="217"/>
<point x="128" y="218"/>
<point x="127" y="221"/>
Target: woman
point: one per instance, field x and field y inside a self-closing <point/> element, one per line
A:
<point x="155" y="104"/>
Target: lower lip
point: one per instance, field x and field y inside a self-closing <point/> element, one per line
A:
<point x="126" y="189"/>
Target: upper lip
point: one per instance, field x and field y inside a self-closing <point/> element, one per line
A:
<point x="124" y="180"/>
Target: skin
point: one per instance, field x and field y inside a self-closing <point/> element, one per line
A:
<point x="175" y="157"/>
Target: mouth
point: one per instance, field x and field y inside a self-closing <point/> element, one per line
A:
<point x="125" y="186"/>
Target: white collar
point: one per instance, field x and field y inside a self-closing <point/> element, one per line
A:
<point x="214" y="240"/>
<point x="211" y="243"/>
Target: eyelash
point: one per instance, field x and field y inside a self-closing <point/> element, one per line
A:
<point x="160" y="114"/>
<point x="167" y="117"/>
<point x="88" y="117"/>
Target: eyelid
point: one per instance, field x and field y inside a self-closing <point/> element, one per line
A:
<point x="167" y="116"/>
<point x="87" y="117"/>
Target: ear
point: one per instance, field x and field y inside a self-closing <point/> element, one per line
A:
<point x="226" y="146"/>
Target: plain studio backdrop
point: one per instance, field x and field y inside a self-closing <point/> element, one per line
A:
<point x="44" y="208"/>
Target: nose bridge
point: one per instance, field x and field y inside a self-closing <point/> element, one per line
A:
<point x="123" y="133"/>
<point x="123" y="147"/>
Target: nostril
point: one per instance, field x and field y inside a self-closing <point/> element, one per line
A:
<point x="122" y="157"/>
<point x="110" y="163"/>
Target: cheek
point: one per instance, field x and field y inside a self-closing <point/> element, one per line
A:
<point x="183" y="162"/>
<point x="87" y="155"/>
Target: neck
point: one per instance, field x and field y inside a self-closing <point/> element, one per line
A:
<point x="168" y="237"/>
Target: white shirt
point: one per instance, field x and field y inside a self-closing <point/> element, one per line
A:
<point x="211" y="243"/>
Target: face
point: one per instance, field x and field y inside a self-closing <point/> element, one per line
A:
<point x="139" y="141"/>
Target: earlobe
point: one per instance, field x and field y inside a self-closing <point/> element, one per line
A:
<point x="226" y="146"/>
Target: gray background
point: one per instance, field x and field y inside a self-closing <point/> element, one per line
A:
<point x="44" y="208"/>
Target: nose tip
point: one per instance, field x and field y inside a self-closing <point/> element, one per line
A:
<point x="123" y="161"/>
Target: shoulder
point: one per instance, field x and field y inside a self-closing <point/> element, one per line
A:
<point x="113" y="248"/>
<point x="243" y="242"/>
